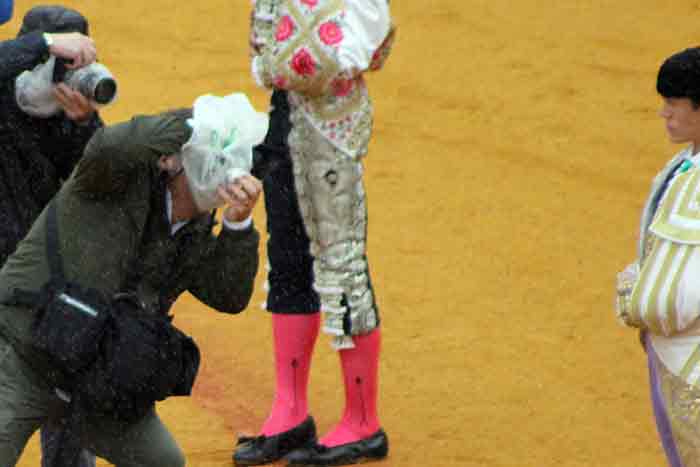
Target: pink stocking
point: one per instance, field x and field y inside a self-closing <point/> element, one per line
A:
<point x="360" y="376"/>
<point x="294" y="339"/>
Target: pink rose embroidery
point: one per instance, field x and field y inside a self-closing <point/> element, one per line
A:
<point x="303" y="63"/>
<point x="285" y="28"/>
<point x="330" y="33"/>
<point x="280" y="82"/>
<point x="341" y="87"/>
<point x="310" y="3"/>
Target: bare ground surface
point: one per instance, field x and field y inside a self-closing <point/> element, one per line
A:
<point x="514" y="144"/>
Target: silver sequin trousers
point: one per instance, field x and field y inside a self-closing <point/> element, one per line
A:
<point x="332" y="203"/>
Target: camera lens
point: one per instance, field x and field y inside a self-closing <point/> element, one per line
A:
<point x="93" y="81"/>
<point x="105" y="90"/>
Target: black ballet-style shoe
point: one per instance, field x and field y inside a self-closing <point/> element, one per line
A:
<point x="368" y="449"/>
<point x="256" y="450"/>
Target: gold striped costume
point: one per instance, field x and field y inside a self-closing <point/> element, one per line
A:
<point x="663" y="300"/>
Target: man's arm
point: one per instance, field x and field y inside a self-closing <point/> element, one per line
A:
<point x="226" y="276"/>
<point x="114" y="153"/>
<point x="27" y="51"/>
<point x="262" y="24"/>
<point x="23" y="53"/>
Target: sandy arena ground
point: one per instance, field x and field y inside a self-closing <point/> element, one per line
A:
<point x="514" y="145"/>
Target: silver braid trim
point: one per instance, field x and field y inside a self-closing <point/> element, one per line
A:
<point x="332" y="203"/>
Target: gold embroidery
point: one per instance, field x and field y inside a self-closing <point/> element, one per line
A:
<point x="306" y="37"/>
<point x="685" y="207"/>
<point x="671" y="318"/>
<point x="637" y="300"/>
<point x="680" y="210"/>
<point x="654" y="310"/>
<point x="344" y="120"/>
<point x="334" y="110"/>
<point x="691" y="363"/>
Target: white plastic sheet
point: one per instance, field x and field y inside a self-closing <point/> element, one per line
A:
<point x="224" y="132"/>
<point x="34" y="91"/>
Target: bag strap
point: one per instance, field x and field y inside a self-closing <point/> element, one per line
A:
<point x="28" y="298"/>
<point x="53" y="247"/>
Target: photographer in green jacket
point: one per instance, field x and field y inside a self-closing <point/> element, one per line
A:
<point x="135" y="216"/>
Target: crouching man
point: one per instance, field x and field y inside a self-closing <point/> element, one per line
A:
<point x="128" y="232"/>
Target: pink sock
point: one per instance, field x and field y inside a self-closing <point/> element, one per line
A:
<point x="294" y="339"/>
<point x="360" y="375"/>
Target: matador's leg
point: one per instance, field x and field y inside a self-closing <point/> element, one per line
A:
<point x="332" y="204"/>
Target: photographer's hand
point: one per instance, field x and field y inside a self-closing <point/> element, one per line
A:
<point x="76" y="106"/>
<point x="79" y="50"/>
<point x="240" y="197"/>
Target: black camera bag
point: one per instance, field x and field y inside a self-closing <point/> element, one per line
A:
<point x="118" y="356"/>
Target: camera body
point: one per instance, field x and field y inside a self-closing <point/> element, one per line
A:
<point x="93" y="81"/>
<point x="34" y="88"/>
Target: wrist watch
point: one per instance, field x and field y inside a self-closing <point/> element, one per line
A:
<point x="48" y="39"/>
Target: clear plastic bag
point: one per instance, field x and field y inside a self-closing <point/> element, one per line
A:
<point x="34" y="90"/>
<point x="220" y="150"/>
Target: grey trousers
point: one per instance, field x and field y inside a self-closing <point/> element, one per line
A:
<point x="50" y="442"/>
<point x="27" y="402"/>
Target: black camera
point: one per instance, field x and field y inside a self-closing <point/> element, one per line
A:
<point x="93" y="81"/>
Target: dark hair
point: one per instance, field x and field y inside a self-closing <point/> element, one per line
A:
<point x="53" y="19"/>
<point x="679" y="76"/>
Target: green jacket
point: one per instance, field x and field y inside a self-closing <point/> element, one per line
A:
<point x="114" y="232"/>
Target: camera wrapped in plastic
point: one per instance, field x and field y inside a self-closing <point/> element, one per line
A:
<point x="93" y="81"/>
<point x="34" y="88"/>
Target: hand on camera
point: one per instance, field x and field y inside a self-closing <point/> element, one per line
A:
<point x="79" y="50"/>
<point x="240" y="197"/>
<point x="75" y="106"/>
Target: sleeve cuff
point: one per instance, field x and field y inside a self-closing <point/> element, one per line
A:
<point x="243" y="225"/>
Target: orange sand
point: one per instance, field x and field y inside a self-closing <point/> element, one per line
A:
<point x="514" y="145"/>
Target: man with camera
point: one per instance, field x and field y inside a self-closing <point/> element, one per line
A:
<point x="134" y="219"/>
<point x="38" y="152"/>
